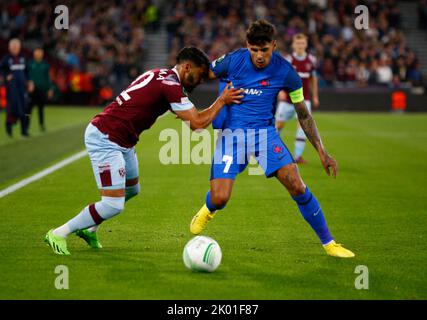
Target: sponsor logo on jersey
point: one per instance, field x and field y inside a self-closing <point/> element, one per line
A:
<point x="253" y="92"/>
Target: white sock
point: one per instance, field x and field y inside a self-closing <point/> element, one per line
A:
<point x="62" y="231"/>
<point x="92" y="215"/>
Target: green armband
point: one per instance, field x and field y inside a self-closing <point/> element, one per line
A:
<point x="297" y="95"/>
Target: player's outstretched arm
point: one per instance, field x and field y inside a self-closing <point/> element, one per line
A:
<point x="310" y="128"/>
<point x="202" y="119"/>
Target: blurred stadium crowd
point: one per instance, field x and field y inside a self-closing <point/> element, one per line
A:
<point x="105" y="45"/>
<point x="346" y="57"/>
<point x="102" y="49"/>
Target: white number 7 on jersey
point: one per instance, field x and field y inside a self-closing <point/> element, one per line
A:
<point x="125" y="94"/>
<point x="228" y="161"/>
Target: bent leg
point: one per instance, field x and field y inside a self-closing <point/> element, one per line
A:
<point x="132" y="174"/>
<point x="285" y="112"/>
<point x="108" y="166"/>
<point x="94" y="214"/>
<point x="216" y="199"/>
<point x="132" y="188"/>
<point x="301" y="139"/>
<point x="300" y="142"/>
<point x="219" y="194"/>
<point x="307" y="203"/>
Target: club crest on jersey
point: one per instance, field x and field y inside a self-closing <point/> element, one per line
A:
<point x="122" y="172"/>
<point x="264" y="83"/>
<point x="277" y="149"/>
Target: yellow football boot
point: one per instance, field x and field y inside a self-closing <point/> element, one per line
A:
<point x="337" y="250"/>
<point x="200" y="220"/>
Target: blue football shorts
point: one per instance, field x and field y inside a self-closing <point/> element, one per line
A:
<point x="234" y="147"/>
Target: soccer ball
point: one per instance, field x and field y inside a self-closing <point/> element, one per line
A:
<point x="202" y="254"/>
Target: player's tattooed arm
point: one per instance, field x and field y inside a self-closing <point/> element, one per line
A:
<point x="309" y="125"/>
<point x="310" y="129"/>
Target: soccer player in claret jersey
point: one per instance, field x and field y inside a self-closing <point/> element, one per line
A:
<point x="111" y="136"/>
<point x="305" y="65"/>
<point x="263" y="73"/>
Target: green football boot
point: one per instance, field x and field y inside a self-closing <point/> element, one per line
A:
<point x="57" y="243"/>
<point x="91" y="238"/>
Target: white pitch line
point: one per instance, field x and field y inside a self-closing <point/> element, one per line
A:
<point x="42" y="173"/>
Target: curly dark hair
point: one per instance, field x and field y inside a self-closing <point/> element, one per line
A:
<point x="260" y="32"/>
<point x="193" y="54"/>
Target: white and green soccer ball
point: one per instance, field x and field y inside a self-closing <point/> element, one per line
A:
<point x="202" y="254"/>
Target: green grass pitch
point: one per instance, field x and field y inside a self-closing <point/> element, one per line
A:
<point x="377" y="207"/>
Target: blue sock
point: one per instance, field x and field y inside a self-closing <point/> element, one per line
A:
<point x="312" y="213"/>
<point x="210" y="205"/>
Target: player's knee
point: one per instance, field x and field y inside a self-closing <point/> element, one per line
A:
<point x="111" y="206"/>
<point x="220" y="198"/>
<point x="297" y="188"/>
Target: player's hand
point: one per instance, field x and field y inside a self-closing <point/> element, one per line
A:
<point x="316" y="102"/>
<point x="328" y="163"/>
<point x="9" y="77"/>
<point x="231" y="95"/>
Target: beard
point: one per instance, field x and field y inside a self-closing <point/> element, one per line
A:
<point x="189" y="87"/>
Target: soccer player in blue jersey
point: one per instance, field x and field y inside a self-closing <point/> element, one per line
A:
<point x="249" y="129"/>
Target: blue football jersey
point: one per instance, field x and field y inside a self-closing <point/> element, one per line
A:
<point x="261" y="88"/>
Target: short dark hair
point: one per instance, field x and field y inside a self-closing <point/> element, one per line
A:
<point x="193" y="54"/>
<point x="260" y="32"/>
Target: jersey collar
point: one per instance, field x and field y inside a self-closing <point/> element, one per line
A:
<point x="177" y="74"/>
